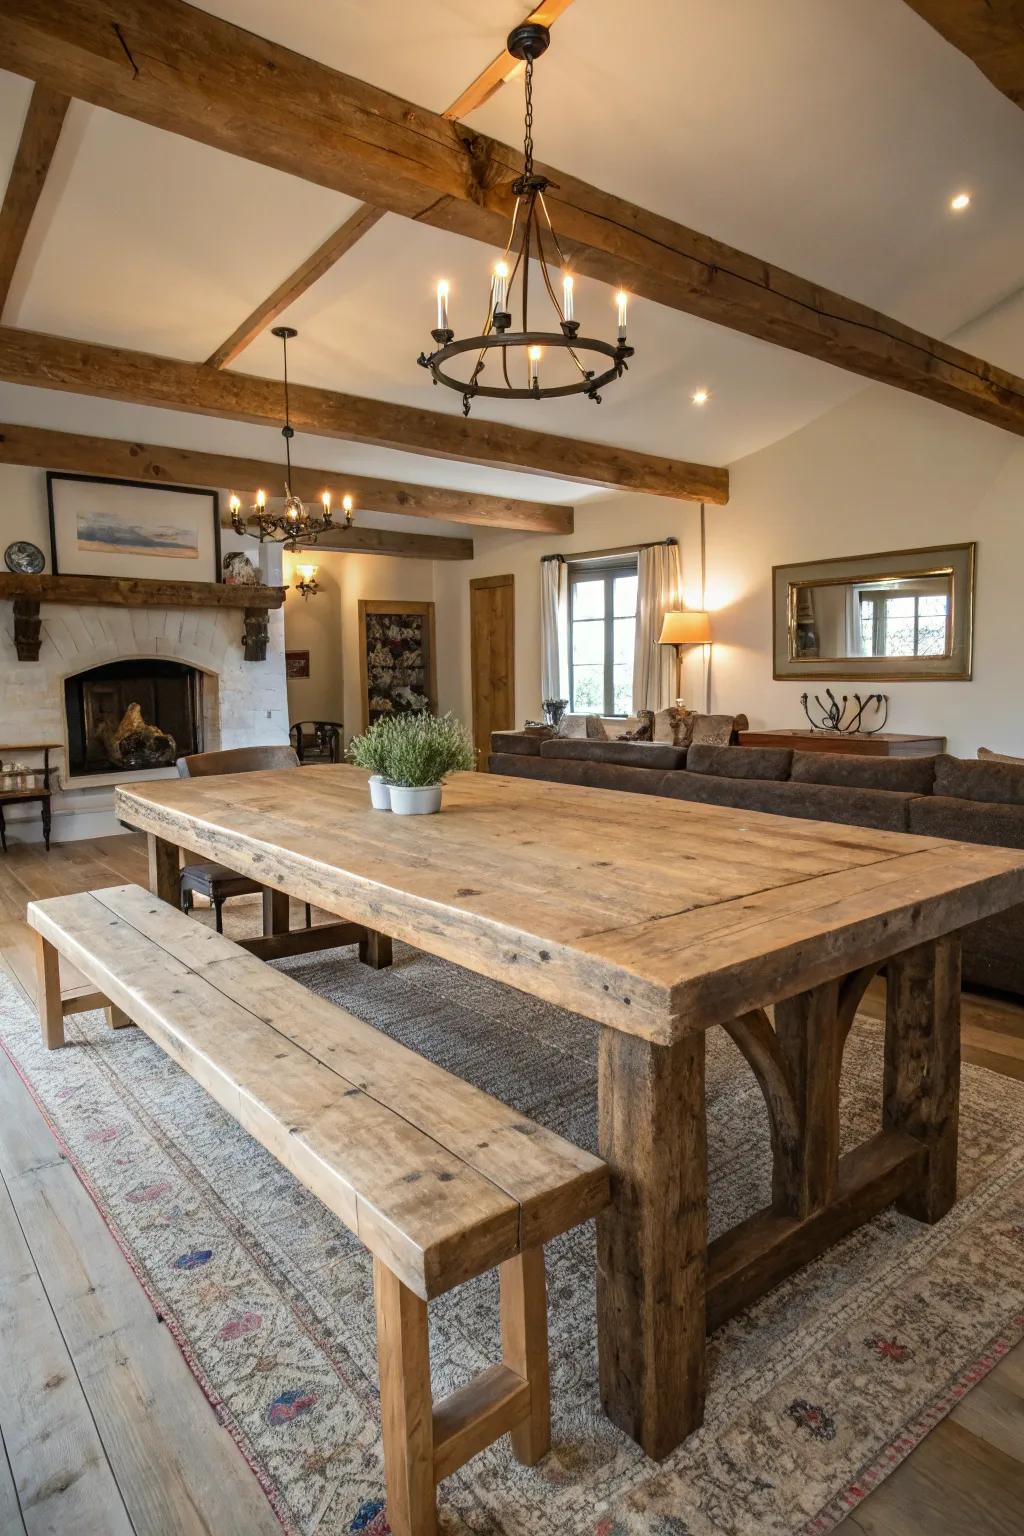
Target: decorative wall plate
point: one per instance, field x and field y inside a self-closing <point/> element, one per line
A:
<point x="23" y="558"/>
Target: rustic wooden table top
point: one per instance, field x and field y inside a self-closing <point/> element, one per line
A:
<point x="655" y="916"/>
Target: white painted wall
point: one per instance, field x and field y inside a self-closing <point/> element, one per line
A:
<point x="882" y="471"/>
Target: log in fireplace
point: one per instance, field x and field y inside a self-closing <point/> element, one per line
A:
<point x="168" y="693"/>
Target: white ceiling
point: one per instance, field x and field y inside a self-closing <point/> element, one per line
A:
<point x="824" y="136"/>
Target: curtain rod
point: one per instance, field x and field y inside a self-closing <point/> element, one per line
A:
<point x="599" y="554"/>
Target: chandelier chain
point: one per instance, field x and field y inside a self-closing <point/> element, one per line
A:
<point x="528" y="123"/>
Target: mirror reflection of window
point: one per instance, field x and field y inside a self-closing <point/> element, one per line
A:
<point x="908" y="616"/>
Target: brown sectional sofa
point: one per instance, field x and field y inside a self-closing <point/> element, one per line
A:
<point x="974" y="802"/>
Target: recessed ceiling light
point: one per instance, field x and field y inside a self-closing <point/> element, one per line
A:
<point x="700" y="396"/>
<point x="961" y="201"/>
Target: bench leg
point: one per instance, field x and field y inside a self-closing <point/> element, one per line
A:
<point x="921" y="1092"/>
<point x="51" y="1013"/>
<point x="117" y="1018"/>
<point x="406" y="1405"/>
<point x="524" y="1348"/>
<point x="375" y="949"/>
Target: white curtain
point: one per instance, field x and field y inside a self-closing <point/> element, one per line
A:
<point x="554" y="608"/>
<point x="659" y="589"/>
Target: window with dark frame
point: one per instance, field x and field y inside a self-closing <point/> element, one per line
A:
<point x="602" y="635"/>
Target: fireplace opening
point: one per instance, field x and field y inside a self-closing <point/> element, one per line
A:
<point x="132" y="715"/>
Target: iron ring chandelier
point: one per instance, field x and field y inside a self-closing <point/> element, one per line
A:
<point x="532" y="236"/>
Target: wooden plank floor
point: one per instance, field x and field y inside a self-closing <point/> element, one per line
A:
<point x="104" y="1430"/>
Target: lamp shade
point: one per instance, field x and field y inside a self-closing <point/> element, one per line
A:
<point x="689" y="627"/>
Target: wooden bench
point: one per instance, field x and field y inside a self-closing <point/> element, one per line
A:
<point x="440" y="1181"/>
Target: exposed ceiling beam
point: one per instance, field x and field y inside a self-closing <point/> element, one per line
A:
<point x="114" y="373"/>
<point x="365" y="217"/>
<point x="166" y="63"/>
<point x="43" y="123"/>
<point x="378" y="541"/>
<point x="76" y="453"/>
<point x="295" y="285"/>
<point x="989" y="32"/>
<point x="503" y="68"/>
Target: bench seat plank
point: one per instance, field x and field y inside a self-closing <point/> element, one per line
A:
<point x="555" y="1184"/>
<point x="421" y="1166"/>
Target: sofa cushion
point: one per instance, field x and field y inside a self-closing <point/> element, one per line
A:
<point x="881" y="808"/>
<point x="525" y="742"/>
<point x="673" y="726"/>
<point x="915" y="774"/>
<point x="628" y="754"/>
<point x="713" y="730"/>
<point x="969" y="821"/>
<point x="986" y="755"/>
<point x="515" y="766"/>
<point x="995" y="783"/>
<point x="740" y="762"/>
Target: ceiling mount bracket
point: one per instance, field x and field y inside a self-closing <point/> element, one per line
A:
<point x="528" y="41"/>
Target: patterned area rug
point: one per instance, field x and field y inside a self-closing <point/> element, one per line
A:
<point x="816" y="1393"/>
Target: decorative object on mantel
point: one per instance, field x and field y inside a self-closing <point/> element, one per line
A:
<point x="136" y="744"/>
<point x="296" y="664"/>
<point x="307" y="583"/>
<point x="132" y="528"/>
<point x="409" y="756"/>
<point x="239" y="570"/>
<point x="831" y="717"/>
<point x="530" y="235"/>
<point x="25" y="558"/>
<point x="554" y="711"/>
<point x="131" y="592"/>
<point x="296" y="520"/>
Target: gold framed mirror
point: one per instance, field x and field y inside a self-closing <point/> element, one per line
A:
<point x="904" y="615"/>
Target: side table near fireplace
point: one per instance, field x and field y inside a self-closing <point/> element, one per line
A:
<point x="882" y="744"/>
<point x="36" y="792"/>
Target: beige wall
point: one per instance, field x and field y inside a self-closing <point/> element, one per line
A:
<point x="313" y="624"/>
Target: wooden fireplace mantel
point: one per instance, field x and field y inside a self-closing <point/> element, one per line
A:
<point x="28" y="592"/>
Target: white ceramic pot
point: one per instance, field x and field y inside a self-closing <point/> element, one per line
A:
<point x="380" y="793"/>
<point x="415" y="802"/>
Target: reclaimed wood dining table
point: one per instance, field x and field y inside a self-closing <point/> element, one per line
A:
<point x="658" y="919"/>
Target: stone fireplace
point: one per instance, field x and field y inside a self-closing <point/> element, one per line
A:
<point x="185" y="667"/>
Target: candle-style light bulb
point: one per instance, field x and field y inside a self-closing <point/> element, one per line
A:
<point x="621" y="300"/>
<point x="567" y="288"/>
<point x="234" y="503"/>
<point x="499" y="288"/>
<point x="442" y="305"/>
<point x="261" y="499"/>
<point x="326" y="499"/>
<point x="346" y="502"/>
<point x="534" y="367"/>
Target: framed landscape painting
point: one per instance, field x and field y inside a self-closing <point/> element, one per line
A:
<point x="397" y="660"/>
<point x="131" y="528"/>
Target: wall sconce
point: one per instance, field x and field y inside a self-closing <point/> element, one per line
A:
<point x="691" y="626"/>
<point x="307" y="583"/>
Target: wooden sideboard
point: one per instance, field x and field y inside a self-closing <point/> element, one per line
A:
<point x="884" y="744"/>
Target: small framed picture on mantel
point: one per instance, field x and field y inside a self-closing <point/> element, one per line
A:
<point x="130" y="528"/>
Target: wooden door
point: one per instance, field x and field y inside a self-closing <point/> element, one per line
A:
<point x="492" y="657"/>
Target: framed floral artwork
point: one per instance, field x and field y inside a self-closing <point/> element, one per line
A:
<point x="397" y="658"/>
<point x="131" y="528"/>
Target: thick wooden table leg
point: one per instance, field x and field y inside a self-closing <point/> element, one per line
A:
<point x="810" y="1039"/>
<point x="652" y="1242"/>
<point x="51" y="1013"/>
<point x="524" y="1348"/>
<point x="406" y="1405"/>
<point x="117" y="1018"/>
<point x="164" y="863"/>
<point x="921" y="1094"/>
<point x="276" y="912"/>
<point x="375" y="949"/>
